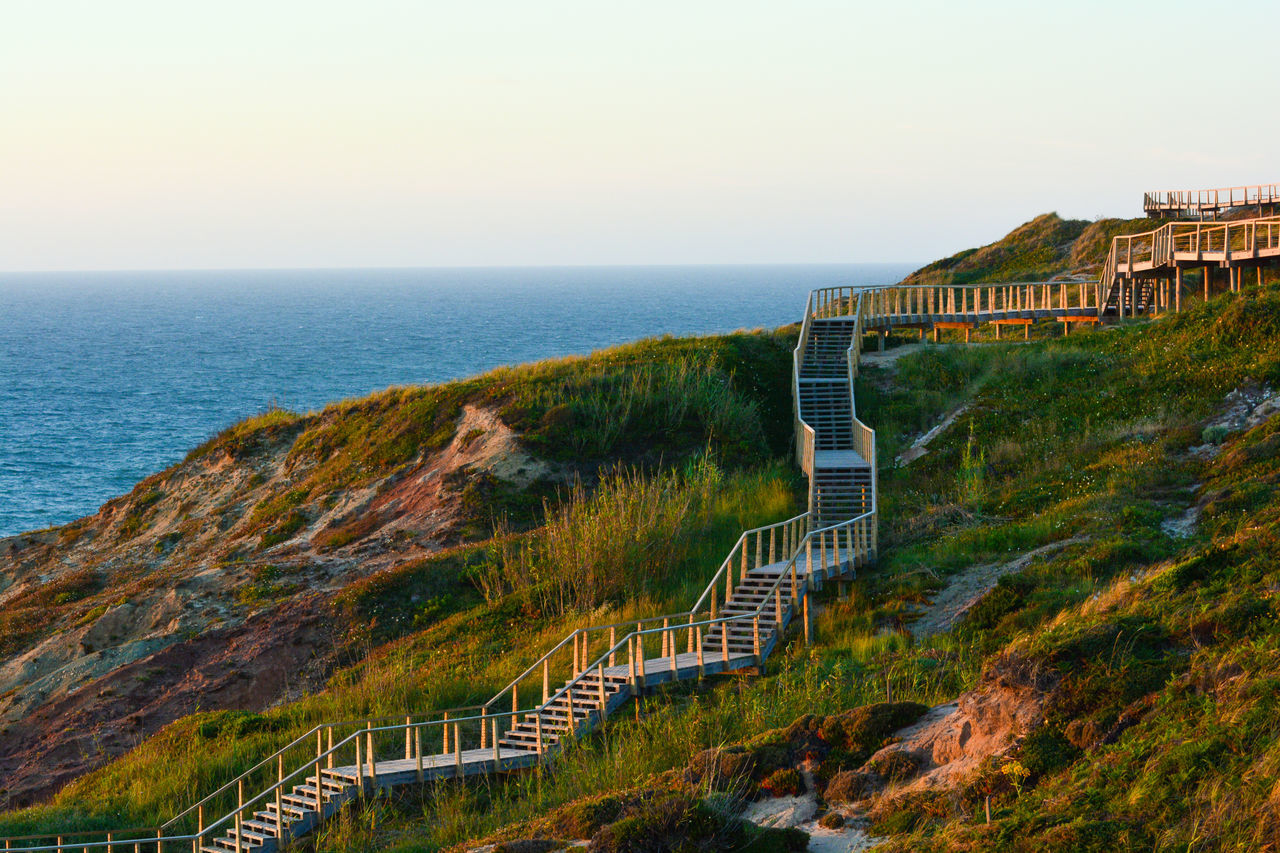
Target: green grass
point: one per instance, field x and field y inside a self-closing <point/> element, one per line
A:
<point x="1045" y="247"/>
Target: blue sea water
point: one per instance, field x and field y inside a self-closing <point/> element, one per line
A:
<point x="108" y="377"/>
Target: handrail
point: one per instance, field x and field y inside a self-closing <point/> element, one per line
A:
<point x="1211" y="199"/>
<point x="1189" y="242"/>
<point x="298" y="741"/>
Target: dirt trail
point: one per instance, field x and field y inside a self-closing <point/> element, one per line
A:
<point x="966" y="589"/>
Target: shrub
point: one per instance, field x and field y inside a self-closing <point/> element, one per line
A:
<point x="783" y="783"/>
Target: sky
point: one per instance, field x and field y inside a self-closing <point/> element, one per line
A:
<point x="183" y="135"/>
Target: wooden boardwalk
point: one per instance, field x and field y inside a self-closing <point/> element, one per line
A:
<point x="1197" y="204"/>
<point x="1145" y="271"/>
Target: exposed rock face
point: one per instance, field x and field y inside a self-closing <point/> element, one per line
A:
<point x="174" y="596"/>
<point x="951" y="740"/>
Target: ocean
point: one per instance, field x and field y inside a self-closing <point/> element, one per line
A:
<point x="108" y="377"/>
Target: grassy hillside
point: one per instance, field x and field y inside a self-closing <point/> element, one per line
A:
<point x="1044" y="248"/>
<point x="288" y="546"/>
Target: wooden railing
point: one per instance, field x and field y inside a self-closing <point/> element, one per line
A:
<point x="806" y="439"/>
<point x="1190" y="243"/>
<point x="1197" y="201"/>
<point x="912" y="304"/>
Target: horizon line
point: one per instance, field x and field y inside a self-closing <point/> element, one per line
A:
<point x="390" y="267"/>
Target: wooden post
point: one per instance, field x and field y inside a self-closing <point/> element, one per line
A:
<point x="497" y="754"/>
<point x="373" y="757"/>
<point x="777" y="609"/>
<point x="546" y="680"/>
<point x="457" y="751"/>
<point x="631" y="664"/>
<point x="807" y="631"/>
<point x="724" y="643"/>
<point x="640" y="649"/>
<point x="359" y="766"/>
<point x="603" y="700"/>
<point x="568" y="695"/>
<point x="417" y="751"/>
<point x="1177" y="289"/>
<point x="408" y="746"/>
<point x="755" y="640"/>
<point x="795" y="587"/>
<point x="537" y="722"/>
<point x="1208" y="281"/>
<point x="702" y="669"/>
<point x="444" y="746"/>
<point x="613" y="641"/>
<point x="484" y="729"/>
<point x="280" y="794"/>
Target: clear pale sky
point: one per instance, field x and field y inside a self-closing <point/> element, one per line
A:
<point x="179" y="134"/>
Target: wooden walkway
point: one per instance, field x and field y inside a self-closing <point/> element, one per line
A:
<point x="1197" y="204"/>
<point x="1145" y="271"/>
<point x="759" y="592"/>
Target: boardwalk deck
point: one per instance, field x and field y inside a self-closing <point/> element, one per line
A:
<point x="1199" y="203"/>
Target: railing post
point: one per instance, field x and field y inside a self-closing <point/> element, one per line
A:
<point x="806" y="620"/>
<point x="457" y="751"/>
<point x="280" y="796"/>
<point x="417" y="752"/>
<point x="795" y="586"/>
<point x="640" y="649"/>
<point x="603" y="700"/>
<point x="702" y="668"/>
<point x="631" y="665"/>
<point x="444" y="745"/>
<point x="359" y="766"/>
<point x="373" y="755"/>
<point x="484" y="729"/>
<point x="755" y="641"/>
<point x="613" y="642"/>
<point x="408" y="746"/>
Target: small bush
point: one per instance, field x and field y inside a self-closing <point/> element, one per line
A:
<point x="783" y="783"/>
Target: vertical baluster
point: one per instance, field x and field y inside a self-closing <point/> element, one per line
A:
<point x="417" y="751"/>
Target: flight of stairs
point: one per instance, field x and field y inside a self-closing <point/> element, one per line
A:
<point x="303" y="811"/>
<point x="747" y="596"/>
<point x="842" y="481"/>
<point x="1145" y="297"/>
<point x="555" y="715"/>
